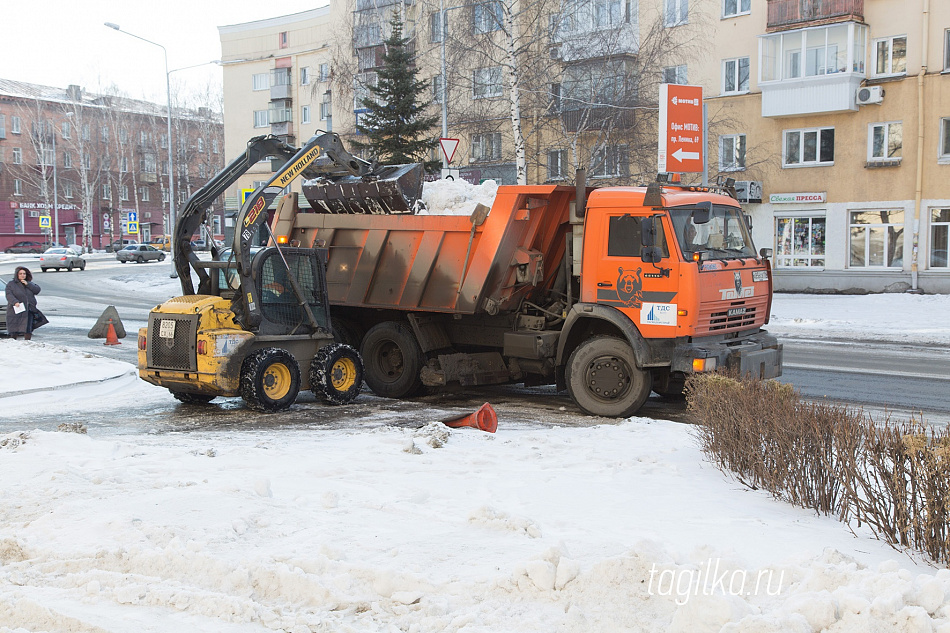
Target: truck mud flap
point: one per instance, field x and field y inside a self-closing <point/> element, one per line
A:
<point x="392" y="189"/>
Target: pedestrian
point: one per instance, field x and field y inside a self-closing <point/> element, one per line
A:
<point x="22" y="314"/>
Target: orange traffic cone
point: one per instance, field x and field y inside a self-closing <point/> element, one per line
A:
<point x="484" y="419"/>
<point x="111" y="338"/>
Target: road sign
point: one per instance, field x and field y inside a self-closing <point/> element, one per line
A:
<point x="133" y="217"/>
<point x="45" y="222"/>
<point x="245" y="193"/>
<point x="451" y="174"/>
<point x="133" y="227"/>
<point x="681" y="129"/>
<point x="448" y="145"/>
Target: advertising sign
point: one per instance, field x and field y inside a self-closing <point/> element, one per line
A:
<point x="793" y="198"/>
<point x="681" y="129"/>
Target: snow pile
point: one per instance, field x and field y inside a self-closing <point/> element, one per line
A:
<point x="456" y="197"/>
<point x="906" y="318"/>
<point x="27" y="366"/>
<point x="605" y="528"/>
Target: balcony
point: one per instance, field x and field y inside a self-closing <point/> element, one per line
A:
<point x="147" y="177"/>
<point x="793" y="14"/>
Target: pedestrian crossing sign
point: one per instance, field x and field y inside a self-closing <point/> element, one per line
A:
<point x="45" y="222"/>
<point x="133" y="228"/>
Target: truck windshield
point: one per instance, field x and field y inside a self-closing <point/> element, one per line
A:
<point x="724" y="236"/>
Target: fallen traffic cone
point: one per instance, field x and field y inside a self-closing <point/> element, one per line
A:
<point x="484" y="419"/>
<point x="111" y="338"/>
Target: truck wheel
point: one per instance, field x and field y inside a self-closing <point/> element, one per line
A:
<point x="346" y="332"/>
<point x="270" y="380"/>
<point x="192" y="398"/>
<point x="392" y="359"/>
<point x="603" y="379"/>
<point x="336" y="374"/>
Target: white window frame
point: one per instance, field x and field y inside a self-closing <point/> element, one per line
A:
<point x="679" y="73"/>
<point x="802" y="132"/>
<point x="304" y="114"/>
<point x="675" y="12"/>
<point x="144" y="194"/>
<point x="14" y="124"/>
<point x="323" y="72"/>
<point x="261" y="119"/>
<point x="65" y="129"/>
<point x="489" y="140"/>
<point x="305" y="76"/>
<point x="739" y="10"/>
<point x="795" y="257"/>
<point x="612" y="158"/>
<point x="889" y="42"/>
<point x="326" y="110"/>
<point x="943" y="145"/>
<point x="18" y="191"/>
<point x="123" y="192"/>
<point x="106" y="191"/>
<point x="942" y="245"/>
<point x="260" y="81"/>
<point x="68" y="188"/>
<point x="888" y="130"/>
<point x="732" y="69"/>
<point x="437" y="30"/>
<point x="557" y="164"/>
<point x="487" y="16"/>
<point x="490" y="79"/>
<point x="736" y="147"/>
<point x="867" y="236"/>
<point x="17" y="158"/>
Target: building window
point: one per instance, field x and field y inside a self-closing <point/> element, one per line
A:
<point x="104" y="134"/>
<point x="164" y="167"/>
<point x="283" y="39"/>
<point x="582" y="16"/>
<point x="735" y="75"/>
<point x="17" y="156"/>
<point x="732" y="8"/>
<point x="47" y="157"/>
<point x="555" y="93"/>
<point x="67" y="160"/>
<point x="557" y="164"/>
<point x="890" y="56"/>
<point x="436" y="28"/>
<point x="163" y="141"/>
<point x="66" y="129"/>
<point x="486" y="146"/>
<point x="124" y="164"/>
<point x="877" y="239"/>
<point x="144" y="194"/>
<point x="68" y="188"/>
<point x="676" y="12"/>
<point x="946" y="49"/>
<point x="305" y="76"/>
<point x="18" y="191"/>
<point x="675" y="75"/>
<point x="214" y="146"/>
<point x="609" y="161"/>
<point x="800" y="242"/>
<point x="437" y="89"/>
<point x="326" y="110"/>
<point x="148" y="163"/>
<point x="323" y="73"/>
<point x="305" y="114"/>
<point x="809" y="147"/>
<point x="202" y="171"/>
<point x="487" y="16"/>
<point x="3" y="126"/>
<point x="201" y="144"/>
<point x="732" y="152"/>
<point x="260" y="81"/>
<point x="260" y="118"/>
<point x="939" y="237"/>
<point x="812" y="52"/>
<point x="15" y="124"/>
<point x="487" y="82"/>
<point x="885" y="141"/>
<point x="164" y="195"/>
<point x="86" y="161"/>
<point x="106" y="191"/>
<point x="123" y="192"/>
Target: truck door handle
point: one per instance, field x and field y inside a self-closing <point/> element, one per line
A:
<point x="604" y="284"/>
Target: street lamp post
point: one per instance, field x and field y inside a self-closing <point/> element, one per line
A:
<point x="170" y="224"/>
<point x="55" y="195"/>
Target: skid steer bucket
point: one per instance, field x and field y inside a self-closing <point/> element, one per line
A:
<point x="391" y="189"/>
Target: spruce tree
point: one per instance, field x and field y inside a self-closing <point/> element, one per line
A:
<point x="396" y="127"/>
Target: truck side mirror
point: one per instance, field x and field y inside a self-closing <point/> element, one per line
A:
<point x="648" y="231"/>
<point x="765" y="253"/>
<point x="651" y="254"/>
<point x="702" y="212"/>
<point x="748" y="221"/>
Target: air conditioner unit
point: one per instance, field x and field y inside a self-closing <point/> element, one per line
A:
<point x="34" y="214"/>
<point x="869" y="94"/>
<point x="749" y="190"/>
<point x="147" y="215"/>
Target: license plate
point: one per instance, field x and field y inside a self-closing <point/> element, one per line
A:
<point x="760" y="275"/>
<point x="736" y="311"/>
<point x="166" y="328"/>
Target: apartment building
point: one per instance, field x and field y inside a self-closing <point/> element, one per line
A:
<point x="837" y="125"/>
<point x="82" y="162"/>
<point x="277" y="75"/>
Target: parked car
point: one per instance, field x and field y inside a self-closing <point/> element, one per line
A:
<point x="162" y="242"/>
<point x="3" y="307"/>
<point x="59" y="257"/>
<point x="118" y="245"/>
<point x="139" y="253"/>
<point x="199" y="245"/>
<point x="27" y="247"/>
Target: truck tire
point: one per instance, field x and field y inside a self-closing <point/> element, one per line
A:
<point x="392" y="360"/>
<point x="191" y="398"/>
<point x="336" y="374"/>
<point x="603" y="379"/>
<point x="346" y="332"/>
<point x="270" y="380"/>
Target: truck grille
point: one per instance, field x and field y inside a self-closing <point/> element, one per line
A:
<point x="728" y="316"/>
<point x="178" y="352"/>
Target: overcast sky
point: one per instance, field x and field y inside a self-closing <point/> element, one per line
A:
<point x="62" y="42"/>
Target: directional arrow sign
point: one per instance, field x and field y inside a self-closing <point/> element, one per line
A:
<point x="448" y="145"/>
<point x="681" y="129"/>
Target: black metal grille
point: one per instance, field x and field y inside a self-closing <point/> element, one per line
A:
<point x="279" y="304"/>
<point x="177" y="352"/>
<point x="743" y="316"/>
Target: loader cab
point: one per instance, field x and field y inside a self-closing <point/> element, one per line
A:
<point x="280" y="310"/>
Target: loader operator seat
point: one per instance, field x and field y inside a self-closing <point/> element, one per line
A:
<point x="279" y="303"/>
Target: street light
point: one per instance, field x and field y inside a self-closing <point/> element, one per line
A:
<point x="171" y="160"/>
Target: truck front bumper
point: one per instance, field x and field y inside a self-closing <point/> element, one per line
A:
<point x="758" y="355"/>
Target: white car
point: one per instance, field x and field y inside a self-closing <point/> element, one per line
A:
<point x="58" y="257"/>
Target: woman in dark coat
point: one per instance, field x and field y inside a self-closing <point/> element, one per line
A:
<point x="21" y="292"/>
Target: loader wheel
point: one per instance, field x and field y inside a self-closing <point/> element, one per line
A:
<point x="603" y="379"/>
<point x="192" y="398"/>
<point x="392" y="359"/>
<point x="336" y="374"/>
<point x="270" y="380"/>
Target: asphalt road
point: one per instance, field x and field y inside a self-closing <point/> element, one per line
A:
<point x="898" y="379"/>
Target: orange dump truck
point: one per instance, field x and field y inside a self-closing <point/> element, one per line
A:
<point x="627" y="292"/>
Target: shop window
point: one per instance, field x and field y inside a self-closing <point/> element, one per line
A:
<point x="876" y="239"/>
<point x="800" y="242"/>
<point x="939" y="238"/>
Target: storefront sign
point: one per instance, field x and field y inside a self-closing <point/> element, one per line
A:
<point x="796" y="198"/>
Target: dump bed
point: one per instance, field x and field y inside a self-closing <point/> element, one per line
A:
<point x="438" y="263"/>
